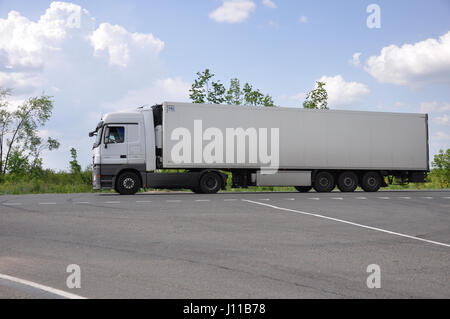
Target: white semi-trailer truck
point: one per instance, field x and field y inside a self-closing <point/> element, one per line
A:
<point x="190" y="146"/>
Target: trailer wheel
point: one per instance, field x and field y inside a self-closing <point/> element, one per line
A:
<point x="303" y="189"/>
<point x="324" y="182"/>
<point x="210" y="183"/>
<point x="128" y="183"/>
<point x="347" y="182"/>
<point x="371" y="182"/>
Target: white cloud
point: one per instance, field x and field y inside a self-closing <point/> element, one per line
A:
<point x="233" y="11"/>
<point x="119" y="42"/>
<point x="355" y="59"/>
<point x="441" y="136"/>
<point x="442" y="120"/>
<point x="170" y="89"/>
<point x="342" y="93"/>
<point x="303" y="19"/>
<point x="63" y="53"/>
<point x="269" y="4"/>
<point x="415" y="64"/>
<point x="434" y="107"/>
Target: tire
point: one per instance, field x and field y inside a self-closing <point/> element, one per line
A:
<point x="303" y="189"/>
<point x="347" y="182"/>
<point x="128" y="183"/>
<point x="324" y="182"/>
<point x="196" y="190"/>
<point x="371" y="182"/>
<point x="210" y="183"/>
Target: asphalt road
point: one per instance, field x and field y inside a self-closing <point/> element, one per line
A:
<point x="228" y="245"/>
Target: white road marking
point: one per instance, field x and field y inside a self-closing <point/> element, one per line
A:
<point x="361" y="197"/>
<point x="81" y="203"/>
<point x="47" y="203"/>
<point x="112" y="202"/>
<point x="42" y="287"/>
<point x="143" y="201"/>
<point x="405" y="197"/>
<point x="339" y="198"/>
<point x="173" y="200"/>
<point x="446" y="197"/>
<point x="314" y="198"/>
<point x="383" y="197"/>
<point x="230" y="199"/>
<point x="427" y="197"/>
<point x="202" y="200"/>
<point x="289" y="199"/>
<point x="349" y="223"/>
<point x="12" y="204"/>
<point x="266" y="199"/>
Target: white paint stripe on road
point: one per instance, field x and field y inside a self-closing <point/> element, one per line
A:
<point x="446" y="197"/>
<point x="230" y="199"/>
<point x="427" y="197"/>
<point x="383" y="197"/>
<point x="12" y="204"/>
<point x="265" y="199"/>
<point x="405" y="197"/>
<point x="202" y="200"/>
<point x="338" y="198"/>
<point x="361" y="197"/>
<point x="47" y="203"/>
<point x="314" y="198"/>
<point x="112" y="202"/>
<point x="143" y="201"/>
<point x="289" y="199"/>
<point x="173" y="200"/>
<point x="42" y="287"/>
<point x="81" y="203"/>
<point x="349" y="223"/>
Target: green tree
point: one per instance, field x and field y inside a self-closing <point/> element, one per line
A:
<point x="19" y="128"/>
<point x="317" y="98"/>
<point x="441" y="165"/>
<point x="204" y="90"/>
<point x="18" y="164"/>
<point x="75" y="167"/>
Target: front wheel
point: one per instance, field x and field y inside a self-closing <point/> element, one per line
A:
<point x="128" y="183"/>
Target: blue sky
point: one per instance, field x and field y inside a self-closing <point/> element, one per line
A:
<point x="129" y="53"/>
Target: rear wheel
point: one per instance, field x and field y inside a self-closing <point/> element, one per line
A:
<point x="347" y="182"/>
<point x="210" y="183"/>
<point x="324" y="182"/>
<point x="303" y="189"/>
<point x="128" y="183"/>
<point x="371" y="182"/>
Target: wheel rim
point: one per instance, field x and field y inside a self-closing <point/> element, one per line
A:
<point x="349" y="182"/>
<point x="128" y="183"/>
<point x="211" y="182"/>
<point x="324" y="182"/>
<point x="372" y="181"/>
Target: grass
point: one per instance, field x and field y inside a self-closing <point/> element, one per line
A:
<point x="48" y="181"/>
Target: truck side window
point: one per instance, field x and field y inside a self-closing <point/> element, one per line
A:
<point x="116" y="134"/>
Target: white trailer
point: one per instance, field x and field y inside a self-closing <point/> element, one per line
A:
<point x="260" y="146"/>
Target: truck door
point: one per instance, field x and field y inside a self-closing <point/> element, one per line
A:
<point x="136" y="144"/>
<point x="114" y="148"/>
